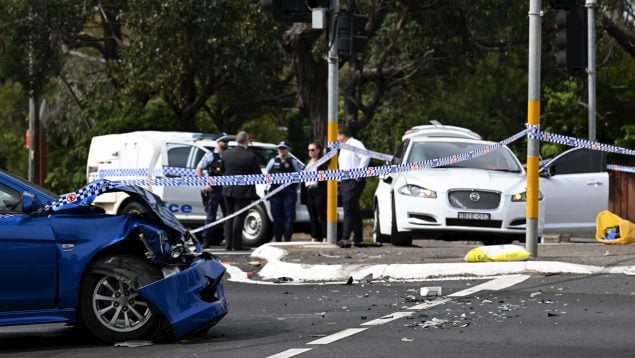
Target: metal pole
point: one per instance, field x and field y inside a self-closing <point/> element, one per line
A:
<point x="591" y="4"/>
<point x="33" y="125"/>
<point x="333" y="79"/>
<point x="533" y="119"/>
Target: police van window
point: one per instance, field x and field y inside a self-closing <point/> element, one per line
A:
<point x="9" y="200"/>
<point x="178" y="155"/>
<point x="264" y="154"/>
<point x="198" y="155"/>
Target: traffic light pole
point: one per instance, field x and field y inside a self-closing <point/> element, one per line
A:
<point x="591" y="4"/>
<point x="533" y="119"/>
<point x="333" y="78"/>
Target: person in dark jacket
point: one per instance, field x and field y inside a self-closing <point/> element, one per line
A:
<point x="238" y="161"/>
<point x="212" y="196"/>
<point x="316" y="195"/>
<point x="283" y="203"/>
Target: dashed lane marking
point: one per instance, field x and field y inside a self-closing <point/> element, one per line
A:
<point x="387" y="318"/>
<point x="337" y="336"/>
<point x="290" y="353"/>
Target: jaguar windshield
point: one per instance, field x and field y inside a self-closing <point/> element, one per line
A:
<point x="501" y="159"/>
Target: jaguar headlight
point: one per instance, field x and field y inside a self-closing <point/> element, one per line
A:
<point x="521" y="197"/>
<point x="415" y="190"/>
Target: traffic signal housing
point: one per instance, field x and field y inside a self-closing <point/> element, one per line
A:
<point x="571" y="39"/>
<point x="290" y="11"/>
<point x="352" y="37"/>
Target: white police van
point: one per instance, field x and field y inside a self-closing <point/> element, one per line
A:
<point x="151" y="151"/>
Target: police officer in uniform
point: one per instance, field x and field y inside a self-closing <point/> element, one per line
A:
<point x="283" y="203"/>
<point x="212" y="196"/>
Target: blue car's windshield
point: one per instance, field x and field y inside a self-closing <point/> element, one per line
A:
<point x="499" y="160"/>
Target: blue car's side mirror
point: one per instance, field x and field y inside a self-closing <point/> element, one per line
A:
<point x="30" y="203"/>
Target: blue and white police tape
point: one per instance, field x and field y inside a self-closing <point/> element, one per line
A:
<point x="533" y="132"/>
<point x="296" y="177"/>
<point x="620" y="168"/>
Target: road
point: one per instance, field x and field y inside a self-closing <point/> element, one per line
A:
<point x="521" y="315"/>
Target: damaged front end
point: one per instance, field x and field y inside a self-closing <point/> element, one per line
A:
<point x="190" y="295"/>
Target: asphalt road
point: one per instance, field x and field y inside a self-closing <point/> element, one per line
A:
<point x="560" y="315"/>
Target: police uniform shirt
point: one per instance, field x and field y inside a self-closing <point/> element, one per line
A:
<point x="211" y="159"/>
<point x="276" y="165"/>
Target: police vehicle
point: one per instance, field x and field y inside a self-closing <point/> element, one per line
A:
<point x="148" y="152"/>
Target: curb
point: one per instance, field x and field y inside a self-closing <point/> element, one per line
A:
<point x="275" y="269"/>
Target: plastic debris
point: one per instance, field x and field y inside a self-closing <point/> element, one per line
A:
<point x="133" y="344"/>
<point x="430" y="291"/>
<point x="404" y="339"/>
<point x="534" y="294"/>
<point x="435" y="322"/>
<point x="496" y="253"/>
<point x="630" y="271"/>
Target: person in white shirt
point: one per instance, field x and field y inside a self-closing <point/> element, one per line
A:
<point x="351" y="189"/>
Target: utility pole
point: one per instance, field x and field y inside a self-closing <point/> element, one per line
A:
<point x="33" y="121"/>
<point x="591" y="4"/>
<point x="333" y="88"/>
<point x="533" y="119"/>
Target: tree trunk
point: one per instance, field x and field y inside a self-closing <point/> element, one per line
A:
<point x="312" y="76"/>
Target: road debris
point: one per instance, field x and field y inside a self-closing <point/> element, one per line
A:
<point x="430" y="291"/>
<point x="133" y="344"/>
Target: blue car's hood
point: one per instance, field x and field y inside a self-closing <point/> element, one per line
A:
<point x="81" y="199"/>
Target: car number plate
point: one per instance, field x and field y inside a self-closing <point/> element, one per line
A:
<point x="474" y="216"/>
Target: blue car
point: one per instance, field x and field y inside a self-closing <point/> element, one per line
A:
<point x="122" y="277"/>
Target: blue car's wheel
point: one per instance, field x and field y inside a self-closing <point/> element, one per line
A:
<point x="109" y="305"/>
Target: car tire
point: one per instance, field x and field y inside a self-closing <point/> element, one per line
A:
<point x="257" y="227"/>
<point x="133" y="207"/>
<point x="398" y="238"/>
<point x="109" y="306"/>
<point x="377" y="235"/>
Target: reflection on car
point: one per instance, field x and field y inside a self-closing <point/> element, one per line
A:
<point x="122" y="277"/>
<point x="484" y="196"/>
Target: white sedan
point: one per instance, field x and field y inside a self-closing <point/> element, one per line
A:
<point x="484" y="197"/>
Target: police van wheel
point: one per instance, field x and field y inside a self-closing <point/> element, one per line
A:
<point x="133" y="208"/>
<point x="257" y="227"/>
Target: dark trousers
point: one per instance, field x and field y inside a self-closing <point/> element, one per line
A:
<point x="283" y="212"/>
<point x="214" y="200"/>
<point x="316" y="205"/>
<point x="351" y="192"/>
<point x="234" y="226"/>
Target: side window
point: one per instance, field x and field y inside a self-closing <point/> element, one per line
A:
<point x="399" y="153"/>
<point x="198" y="155"/>
<point x="580" y="161"/>
<point x="178" y="155"/>
<point x="9" y="200"/>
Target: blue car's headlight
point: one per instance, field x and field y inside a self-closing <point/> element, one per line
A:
<point x="521" y="197"/>
<point x="415" y="190"/>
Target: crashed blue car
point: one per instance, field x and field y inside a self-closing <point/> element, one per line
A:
<point x="122" y="277"/>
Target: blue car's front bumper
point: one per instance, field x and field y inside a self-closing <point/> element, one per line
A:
<point x="192" y="299"/>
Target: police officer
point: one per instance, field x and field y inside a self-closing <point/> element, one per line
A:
<point x="212" y="196"/>
<point x="283" y="203"/>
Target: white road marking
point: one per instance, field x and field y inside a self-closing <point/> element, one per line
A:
<point x="337" y="336"/>
<point x="496" y="284"/>
<point x="290" y="353"/>
<point x="426" y="305"/>
<point x="387" y="318"/>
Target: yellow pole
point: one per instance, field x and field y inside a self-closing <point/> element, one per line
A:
<point x="331" y="190"/>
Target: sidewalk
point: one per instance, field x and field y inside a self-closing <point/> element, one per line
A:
<point x="301" y="261"/>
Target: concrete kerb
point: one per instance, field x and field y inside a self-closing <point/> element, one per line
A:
<point x="277" y="270"/>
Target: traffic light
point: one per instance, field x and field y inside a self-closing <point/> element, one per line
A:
<point x="290" y="11"/>
<point x="571" y="39"/>
<point x="351" y="33"/>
